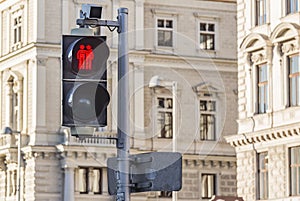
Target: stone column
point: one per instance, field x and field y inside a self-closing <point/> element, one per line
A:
<point x="69" y="184"/>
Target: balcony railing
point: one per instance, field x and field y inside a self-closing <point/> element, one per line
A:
<point x="103" y="139"/>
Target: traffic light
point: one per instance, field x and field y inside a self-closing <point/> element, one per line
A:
<point x="84" y="81"/>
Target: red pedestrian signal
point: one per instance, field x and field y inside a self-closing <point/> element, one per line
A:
<point x="84" y="83"/>
<point x="85" y="57"/>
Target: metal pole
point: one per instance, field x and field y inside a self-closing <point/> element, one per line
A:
<point x="174" y="123"/>
<point x="123" y="191"/>
<point x="19" y="168"/>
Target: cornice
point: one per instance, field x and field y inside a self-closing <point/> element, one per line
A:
<point x="269" y="135"/>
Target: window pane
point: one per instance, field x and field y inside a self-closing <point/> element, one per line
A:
<point x="169" y="24"/>
<point x="160" y="23"/>
<point x="202" y="26"/>
<point x="165" y="38"/>
<point x="211" y="27"/>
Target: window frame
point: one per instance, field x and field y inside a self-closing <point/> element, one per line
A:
<point x="88" y="171"/>
<point x="288" y="6"/>
<point x="260" y="12"/>
<point x="173" y="30"/>
<point x="297" y="166"/>
<point x="290" y="76"/>
<point x="214" y="33"/>
<point x="262" y="85"/>
<point x="207" y="113"/>
<point x="214" y="186"/>
<point x="263" y="173"/>
<point x="17" y="30"/>
<point x="163" y="110"/>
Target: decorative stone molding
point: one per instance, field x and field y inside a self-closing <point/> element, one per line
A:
<point x="198" y="163"/>
<point x="258" y="57"/>
<point x="265" y="136"/>
<point x="290" y="47"/>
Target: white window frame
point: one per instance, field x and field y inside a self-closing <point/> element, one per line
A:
<point x="215" y="33"/>
<point x="88" y="175"/>
<point x="214" y="190"/>
<point x="174" y="28"/>
<point x="158" y="110"/>
<point x="18" y="13"/>
<point x="262" y="172"/>
<point x="212" y="113"/>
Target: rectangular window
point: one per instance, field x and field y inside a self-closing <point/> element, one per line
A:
<point x="260" y="12"/>
<point x="207" y="119"/>
<point x="291" y="6"/>
<point x="88" y="180"/>
<point x="263" y="175"/>
<point x="262" y="88"/>
<point x="165" y="32"/>
<point x="294" y="165"/>
<point x="294" y="82"/>
<point x="17" y="30"/>
<point x="165" y="194"/>
<point x="208" y="184"/>
<point x="164" y="120"/>
<point x="207" y="36"/>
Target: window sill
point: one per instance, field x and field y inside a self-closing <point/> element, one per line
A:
<point x="164" y="50"/>
<point x="204" y="52"/>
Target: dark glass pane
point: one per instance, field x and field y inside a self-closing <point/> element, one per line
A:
<point x="169" y="24"/>
<point x="202" y="26"/>
<point x="160" y="23"/>
<point x="211" y="27"/>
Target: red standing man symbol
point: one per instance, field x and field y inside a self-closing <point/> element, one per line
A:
<point x="85" y="57"/>
<point x="89" y="57"/>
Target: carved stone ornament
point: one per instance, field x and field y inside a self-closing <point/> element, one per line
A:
<point x="258" y="57"/>
<point x="289" y="47"/>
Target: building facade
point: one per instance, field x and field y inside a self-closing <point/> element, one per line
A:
<point x="189" y="42"/>
<point x="267" y="143"/>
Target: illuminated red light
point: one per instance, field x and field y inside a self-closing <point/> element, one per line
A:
<point x="85" y="57"/>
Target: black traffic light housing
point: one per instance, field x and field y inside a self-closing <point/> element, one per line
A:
<point x="84" y="81"/>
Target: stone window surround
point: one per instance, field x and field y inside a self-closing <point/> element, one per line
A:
<point x="207" y="19"/>
<point x="207" y="88"/>
<point x="17" y="12"/>
<point x="166" y="15"/>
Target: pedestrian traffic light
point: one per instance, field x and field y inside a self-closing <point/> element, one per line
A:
<point x="84" y="83"/>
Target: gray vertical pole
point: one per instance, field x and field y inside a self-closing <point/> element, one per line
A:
<point x="123" y="193"/>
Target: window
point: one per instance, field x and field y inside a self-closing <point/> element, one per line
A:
<point x="17" y="29"/>
<point x="263" y="175"/>
<point x="164" y="120"/>
<point x="165" y="194"/>
<point x="294" y="166"/>
<point x="262" y="88"/>
<point x="207" y="36"/>
<point x="291" y="6"/>
<point x="207" y="119"/>
<point x="260" y="15"/>
<point x="294" y="76"/>
<point x="208" y="183"/>
<point x="88" y="180"/>
<point x="165" y="32"/>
